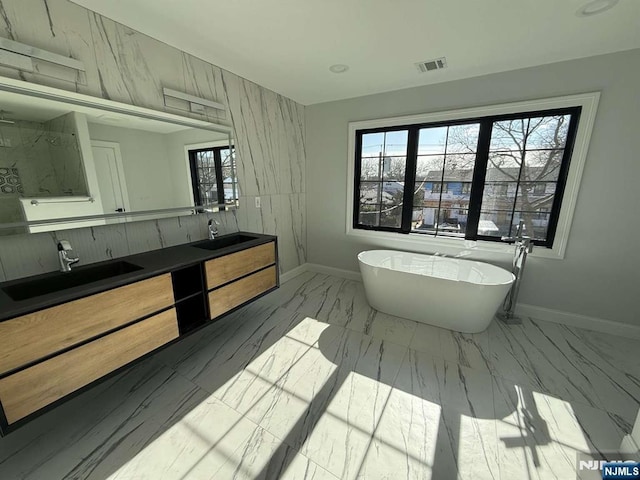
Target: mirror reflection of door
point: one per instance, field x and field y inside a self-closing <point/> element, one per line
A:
<point x="110" y="173"/>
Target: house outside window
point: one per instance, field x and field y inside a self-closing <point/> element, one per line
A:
<point x="471" y="178"/>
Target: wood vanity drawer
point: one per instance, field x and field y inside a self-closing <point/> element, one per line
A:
<point x="225" y="269"/>
<point x="36" y="387"/>
<point x="34" y="336"/>
<point x="230" y="296"/>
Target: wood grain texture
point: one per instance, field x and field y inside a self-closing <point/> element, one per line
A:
<point x="36" y="387"/>
<point x="224" y="299"/>
<point x="225" y="269"/>
<point x="31" y="337"/>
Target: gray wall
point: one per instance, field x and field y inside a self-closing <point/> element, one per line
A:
<point x="127" y="66"/>
<point x="600" y="273"/>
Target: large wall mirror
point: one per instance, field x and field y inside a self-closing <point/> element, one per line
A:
<point x="69" y="161"/>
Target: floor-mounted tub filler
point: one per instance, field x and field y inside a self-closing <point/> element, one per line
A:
<point x="461" y="295"/>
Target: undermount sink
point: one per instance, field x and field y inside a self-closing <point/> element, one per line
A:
<point x="223" y="242"/>
<point x="62" y="281"/>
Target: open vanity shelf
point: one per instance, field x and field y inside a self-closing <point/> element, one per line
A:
<point x="56" y="345"/>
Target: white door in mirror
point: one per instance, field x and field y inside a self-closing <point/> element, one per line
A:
<point x="108" y="169"/>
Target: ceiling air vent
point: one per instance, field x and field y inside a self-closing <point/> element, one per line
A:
<point x="429" y="65"/>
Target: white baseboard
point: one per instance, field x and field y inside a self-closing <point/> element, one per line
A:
<point x="294" y="272"/>
<point x="336" y="272"/>
<point x="577" y="320"/>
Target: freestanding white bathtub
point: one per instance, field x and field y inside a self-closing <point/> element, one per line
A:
<point x="453" y="293"/>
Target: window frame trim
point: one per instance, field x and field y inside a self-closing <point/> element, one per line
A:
<point x="415" y="241"/>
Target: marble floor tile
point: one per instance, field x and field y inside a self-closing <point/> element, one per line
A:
<point x="609" y="348"/>
<point x="439" y="422"/>
<point x="330" y="400"/>
<point x="295" y="287"/>
<point x="330" y="299"/>
<point x="199" y="444"/>
<point x="467" y="349"/>
<point x="246" y="388"/>
<point x="540" y="435"/>
<point x="265" y="457"/>
<point x="542" y="356"/>
<point x="387" y="327"/>
<point x="244" y="336"/>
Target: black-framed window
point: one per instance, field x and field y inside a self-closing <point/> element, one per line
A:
<point x="474" y="178"/>
<point x="213" y="176"/>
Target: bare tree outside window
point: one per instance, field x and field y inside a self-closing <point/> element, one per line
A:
<point x="524" y="154"/>
<point x="473" y="178"/>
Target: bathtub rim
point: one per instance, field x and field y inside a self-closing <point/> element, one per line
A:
<point x="483" y="264"/>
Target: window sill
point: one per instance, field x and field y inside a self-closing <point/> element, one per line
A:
<point x="458" y="247"/>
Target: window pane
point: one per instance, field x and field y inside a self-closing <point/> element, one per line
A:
<point x="395" y="143"/>
<point x="432" y="140"/>
<point x="370" y="193"/>
<point x="494" y="223"/>
<point x="542" y="165"/>
<point x="229" y="191"/>
<point x="370" y="169"/>
<point x="377" y="145"/>
<point x="535" y="195"/>
<point x="392" y="193"/>
<point x="373" y="145"/>
<point x="499" y="195"/>
<point x="424" y="220"/>
<point x="391" y="216"/>
<point x="206" y="159"/>
<point x="548" y="132"/>
<point x="208" y="194"/>
<point x="394" y="168"/>
<point x="419" y="194"/>
<point x="227" y="174"/>
<point x="430" y="168"/>
<point x="369" y="215"/>
<point x="450" y="222"/>
<point x="463" y="138"/>
<point x="503" y="166"/>
<point x="508" y="135"/>
<point x="536" y="224"/>
<point x="459" y="168"/>
<point x="206" y="175"/>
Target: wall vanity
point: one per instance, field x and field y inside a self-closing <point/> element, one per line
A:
<point x="61" y="333"/>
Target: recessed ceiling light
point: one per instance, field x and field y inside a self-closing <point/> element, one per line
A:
<point x="339" y="68"/>
<point x="595" y="7"/>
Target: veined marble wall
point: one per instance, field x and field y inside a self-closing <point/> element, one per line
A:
<point x="127" y="66"/>
<point x="61" y="138"/>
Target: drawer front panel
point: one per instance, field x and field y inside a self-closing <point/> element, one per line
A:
<point x="224" y="299"/>
<point x="36" y="387"/>
<point x="31" y="337"/>
<point x="225" y="269"/>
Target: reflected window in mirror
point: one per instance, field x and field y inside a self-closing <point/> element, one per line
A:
<point x="213" y="176"/>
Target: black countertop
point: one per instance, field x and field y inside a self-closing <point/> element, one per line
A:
<point x="154" y="262"/>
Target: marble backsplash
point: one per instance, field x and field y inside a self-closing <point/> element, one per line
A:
<point x="128" y="66"/>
